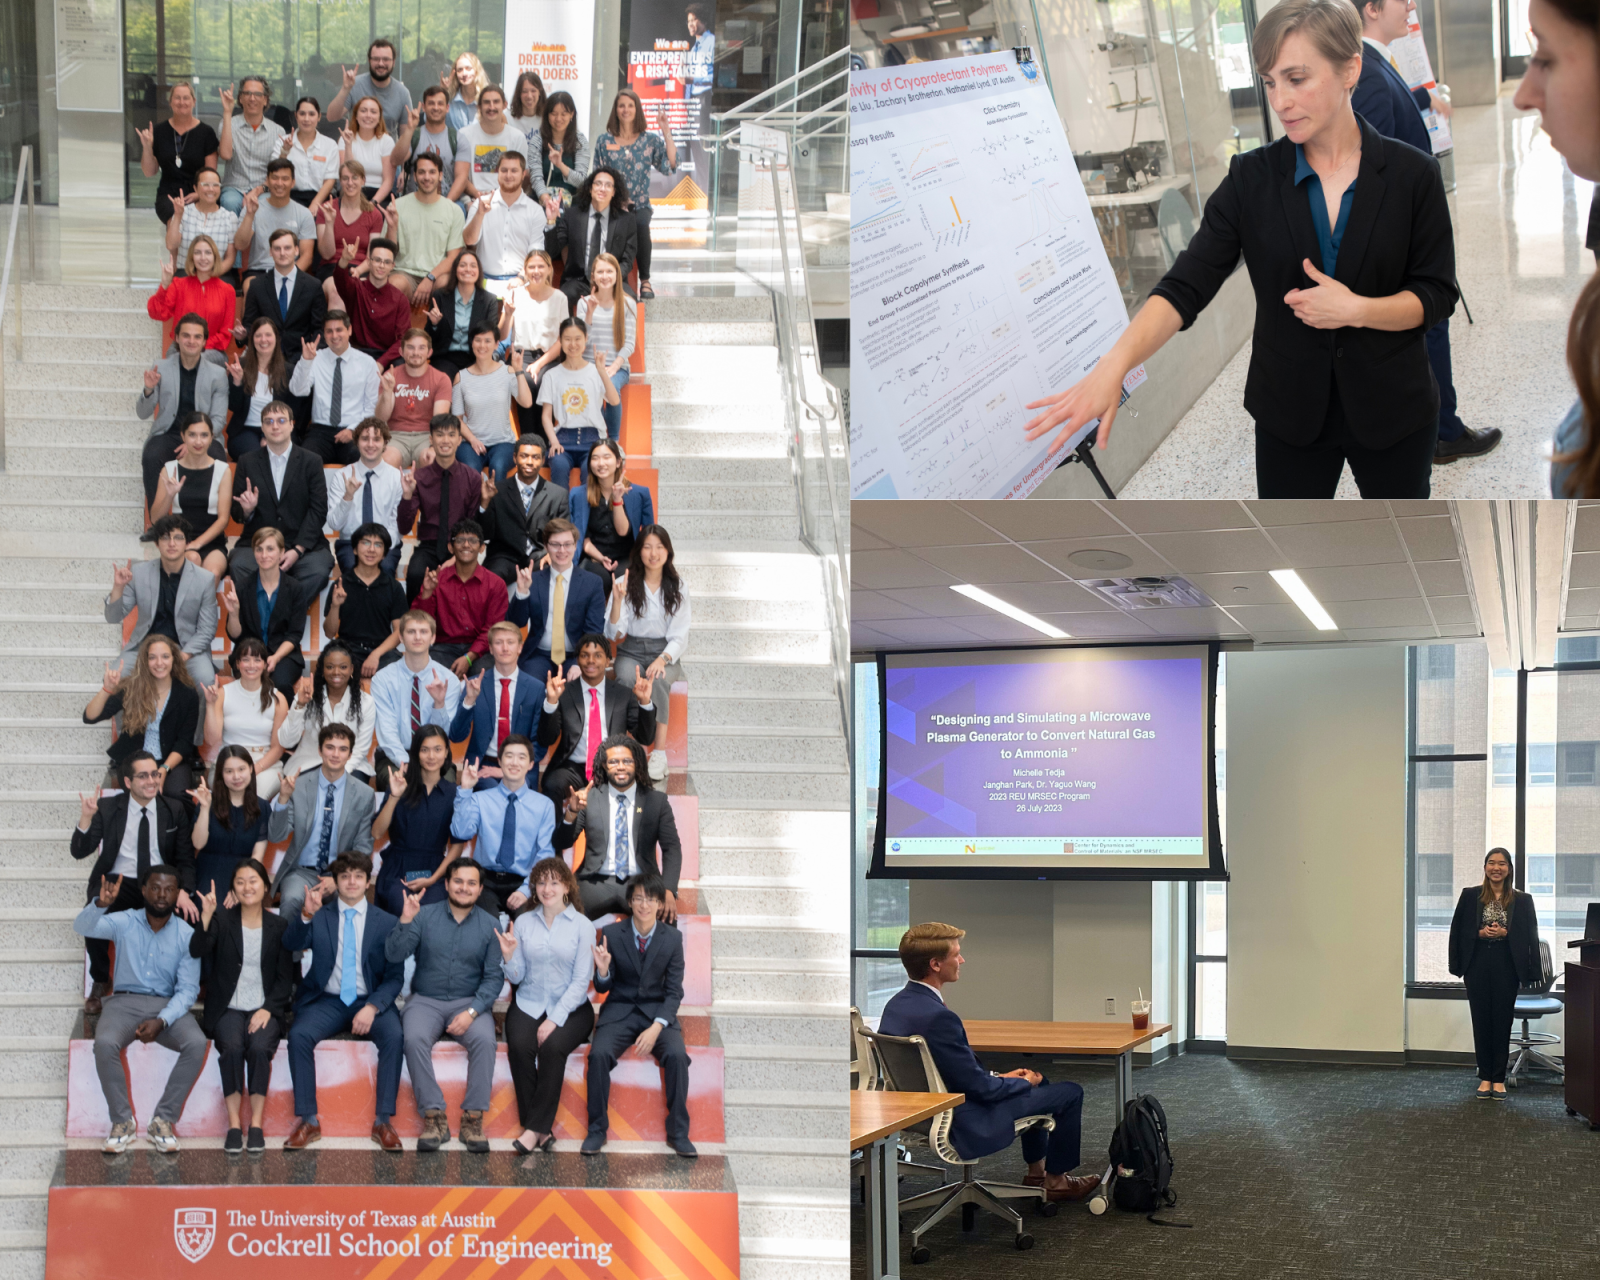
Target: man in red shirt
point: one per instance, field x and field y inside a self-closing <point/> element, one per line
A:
<point x="465" y="600"/>
<point x="410" y="396"/>
<point x="379" y="313"/>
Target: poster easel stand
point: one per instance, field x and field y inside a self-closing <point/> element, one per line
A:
<point x="1084" y="453"/>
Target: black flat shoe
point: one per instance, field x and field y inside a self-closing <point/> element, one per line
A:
<point x="256" y="1142"/>
<point x="645" y="291"/>
<point x="549" y="1144"/>
<point x="233" y="1144"/>
<point x="1481" y="1094"/>
<point x="1498" y="1097"/>
<point x="516" y="1145"/>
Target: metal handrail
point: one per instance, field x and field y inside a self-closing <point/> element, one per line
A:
<point x="24" y="180"/>
<point x="842" y="56"/>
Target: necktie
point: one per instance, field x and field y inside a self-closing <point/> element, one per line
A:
<point x="348" y="961"/>
<point x="283" y="298"/>
<point x="594" y="240"/>
<point x="508" y="835"/>
<point x="336" y="408"/>
<point x="441" y="542"/>
<point x="366" y="499"/>
<point x="143" y="863"/>
<point x="621" y="853"/>
<point x="416" y="704"/>
<point x="502" y="725"/>
<point x="558" y="621"/>
<point x="594" y="728"/>
<point x="325" y="840"/>
<point x="644" y="941"/>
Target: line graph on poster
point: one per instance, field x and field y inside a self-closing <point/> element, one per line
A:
<point x="931" y="163"/>
<point x="1040" y="211"/>
<point x="875" y="202"/>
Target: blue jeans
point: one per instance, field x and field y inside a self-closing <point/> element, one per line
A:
<point x="232" y="199"/>
<point x="575" y="445"/>
<point x="500" y="457"/>
<point x="347" y="558"/>
<point x="325" y="1016"/>
<point x="612" y="413"/>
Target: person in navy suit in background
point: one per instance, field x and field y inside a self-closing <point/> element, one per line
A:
<point x="985" y="1122"/>
<point x="1384" y="99"/>
<point x="582" y="594"/>
<point x="497" y="703"/>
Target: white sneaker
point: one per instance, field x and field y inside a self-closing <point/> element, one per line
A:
<point x="120" y="1138"/>
<point x="657" y="765"/>
<point x="158" y="1133"/>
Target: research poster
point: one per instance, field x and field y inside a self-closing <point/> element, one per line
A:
<point x="1410" y="55"/>
<point x="978" y="280"/>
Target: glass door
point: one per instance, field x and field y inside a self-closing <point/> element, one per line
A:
<point x="1516" y="43"/>
<point x="19" y="96"/>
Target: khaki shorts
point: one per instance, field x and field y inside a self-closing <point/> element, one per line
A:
<point x="409" y="444"/>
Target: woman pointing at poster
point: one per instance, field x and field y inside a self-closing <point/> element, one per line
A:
<point x="1347" y="238"/>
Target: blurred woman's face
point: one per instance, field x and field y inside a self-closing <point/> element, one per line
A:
<point x="602" y="462"/>
<point x="204" y="259"/>
<point x="536" y="269"/>
<point x="652" y="552"/>
<point x="466" y="270"/>
<point x="573" y="341"/>
<point x="252" y="665"/>
<point x="247" y="887"/>
<point x="483" y="345"/>
<point x="209" y="187"/>
<point x="236" y="773"/>
<point x="1305" y="90"/>
<point x="552" y="893"/>
<point x="306" y="117"/>
<point x="368" y="116"/>
<point x="265" y="341"/>
<point x="197" y="438"/>
<point x="269" y="554"/>
<point x="182" y="100"/>
<point x="1562" y="84"/>
<point x="604" y="276"/>
<point x="433" y="754"/>
<point x="602" y="190"/>
<point x="560" y="118"/>
<point x="158" y="661"/>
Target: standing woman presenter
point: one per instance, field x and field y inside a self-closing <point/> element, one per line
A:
<point x="1494" y="946"/>
<point x="1347" y="238"/>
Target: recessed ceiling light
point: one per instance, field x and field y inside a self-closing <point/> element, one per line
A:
<point x="1010" y="610"/>
<point x="1297" y="591"/>
<point x="1102" y="561"/>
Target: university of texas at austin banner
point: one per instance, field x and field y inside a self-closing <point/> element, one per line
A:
<point x="389" y="1233"/>
<point x="555" y="39"/>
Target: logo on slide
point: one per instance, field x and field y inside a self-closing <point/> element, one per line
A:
<point x="1066" y="846"/>
<point x="895" y="846"/>
<point x="194" y="1231"/>
<point x="972" y="848"/>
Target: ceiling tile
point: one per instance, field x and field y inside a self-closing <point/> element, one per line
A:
<point x="1225" y="588"/>
<point x="1052" y="597"/>
<point x="1044" y="519"/>
<point x="1583" y="602"/>
<point x="865" y="637"/>
<point x="1364" y="614"/>
<point x="1271" y="617"/>
<point x="1442" y="577"/>
<point x="869" y="606"/>
<point x="1430" y="538"/>
<point x="1114" y="625"/>
<point x="999" y="629"/>
<point x="878" y="569"/>
<point x="860" y="539"/>
<point x="920" y="524"/>
<point x="1144" y="560"/>
<point x="1292" y="637"/>
<point x="915" y="633"/>
<point x="934" y="602"/>
<point x="1230" y="552"/>
<point x="1584" y="570"/>
<point x="1452" y="609"/>
<point x="1272" y="512"/>
<point x="1002" y="562"/>
<point x="1344" y="543"/>
<point x="1419" y="507"/>
<point x="1170" y="517"/>
<point x="1361" y="582"/>
<point x="1201" y="623"/>
<point x="1457" y="631"/>
<point x="1586" y="536"/>
<point x="1422" y="635"/>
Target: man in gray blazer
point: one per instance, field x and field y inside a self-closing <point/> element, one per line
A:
<point x="185" y="381"/>
<point x="328" y="811"/>
<point x="174" y="596"/>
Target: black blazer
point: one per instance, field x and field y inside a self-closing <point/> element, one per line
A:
<point x="1398" y="237"/>
<point x="564" y="725"/>
<point x="1522" y="936"/>
<point x="110" y="821"/>
<point x="653" y="827"/>
<point x="308" y="306"/>
<point x="303" y="509"/>
<point x="223" y="943"/>
<point x="179" y="725"/>
<point x="622" y="241"/>
<point x="485" y="310"/>
<point x="657" y="989"/>
<point x="507" y="526"/>
<point x="288" y="612"/>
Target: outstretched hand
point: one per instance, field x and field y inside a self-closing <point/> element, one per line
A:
<point x="1098" y="394"/>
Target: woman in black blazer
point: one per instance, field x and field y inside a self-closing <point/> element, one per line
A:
<point x="286" y="622"/>
<point x="1347" y="237"/>
<point x="1494" y="946"/>
<point x="158" y="691"/>
<point x="249" y="981"/>
<point x="483" y="308"/>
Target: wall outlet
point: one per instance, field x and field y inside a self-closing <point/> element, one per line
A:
<point x="1111" y="1006"/>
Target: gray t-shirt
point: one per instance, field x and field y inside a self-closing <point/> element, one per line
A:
<point x="394" y="98"/>
<point x="484" y="400"/>
<point x="268" y="219"/>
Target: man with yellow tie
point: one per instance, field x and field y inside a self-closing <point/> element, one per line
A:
<point x="557" y="604"/>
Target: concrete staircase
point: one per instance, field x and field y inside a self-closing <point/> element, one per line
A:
<point x="766" y="756"/>
<point x="70" y="503"/>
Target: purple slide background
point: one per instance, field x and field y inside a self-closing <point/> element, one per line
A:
<point x="1145" y="788"/>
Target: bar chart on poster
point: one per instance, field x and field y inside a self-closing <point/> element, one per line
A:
<point x="979" y="282"/>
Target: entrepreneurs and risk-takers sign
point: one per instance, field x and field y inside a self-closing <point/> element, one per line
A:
<point x="978" y="280"/>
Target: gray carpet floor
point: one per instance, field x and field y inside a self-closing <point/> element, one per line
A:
<point x="1298" y="1170"/>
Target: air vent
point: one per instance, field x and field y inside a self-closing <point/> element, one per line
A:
<point x="1133" y="594"/>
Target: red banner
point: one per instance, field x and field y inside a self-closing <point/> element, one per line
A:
<point x="389" y="1233"/>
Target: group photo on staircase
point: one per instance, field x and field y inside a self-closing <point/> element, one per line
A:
<point x="425" y="688"/>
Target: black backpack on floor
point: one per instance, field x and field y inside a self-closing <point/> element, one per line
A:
<point x="1142" y="1161"/>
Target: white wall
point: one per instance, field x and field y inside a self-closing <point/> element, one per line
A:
<point x="1102" y="948"/>
<point x="1008" y="946"/>
<point x="1316" y="846"/>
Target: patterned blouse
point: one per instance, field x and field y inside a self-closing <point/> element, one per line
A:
<point x="633" y="161"/>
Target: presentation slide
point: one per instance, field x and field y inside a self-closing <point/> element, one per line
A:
<point x="1073" y="758"/>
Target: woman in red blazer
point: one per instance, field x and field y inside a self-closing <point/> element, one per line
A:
<point x="199" y="291"/>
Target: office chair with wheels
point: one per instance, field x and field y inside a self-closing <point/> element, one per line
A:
<point x="908" y="1067"/>
<point x="1538" y="1003"/>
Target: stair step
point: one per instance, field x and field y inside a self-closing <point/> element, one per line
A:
<point x="106" y="460"/>
<point x="22" y="698"/>
<point x="688" y="442"/>
<point x="20" y="628"/>
<point x="78" y="515"/>
<point x="737" y="333"/>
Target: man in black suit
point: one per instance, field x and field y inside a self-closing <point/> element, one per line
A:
<point x="594" y="224"/>
<point x="334" y="999"/>
<point x="293" y="299"/>
<point x="517" y="512"/>
<point x="628" y="829"/>
<point x="638" y="963"/>
<point x="281" y="486"/>
<point x="138" y="829"/>
<point x="577" y="717"/>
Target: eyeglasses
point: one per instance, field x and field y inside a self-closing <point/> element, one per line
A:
<point x="252" y="93"/>
<point x="145" y="775"/>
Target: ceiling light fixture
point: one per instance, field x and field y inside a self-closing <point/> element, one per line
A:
<point x="1297" y="591"/>
<point x="1010" y="610"/>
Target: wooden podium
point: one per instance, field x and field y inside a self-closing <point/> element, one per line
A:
<point x="1583" y="1027"/>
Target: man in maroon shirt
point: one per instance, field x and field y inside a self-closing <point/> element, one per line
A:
<point x="465" y="600"/>
<point x="445" y="492"/>
<point x="410" y="397"/>
<point x="379" y="313"/>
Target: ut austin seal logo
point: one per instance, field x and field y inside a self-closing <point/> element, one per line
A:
<point x="194" y="1231"/>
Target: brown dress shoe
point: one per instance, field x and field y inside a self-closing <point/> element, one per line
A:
<point x="1033" y="1179"/>
<point x="472" y="1131"/>
<point x="1076" y="1189"/>
<point x="303" y="1136"/>
<point x="384" y="1135"/>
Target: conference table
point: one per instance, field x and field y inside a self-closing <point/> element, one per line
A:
<point x="876" y="1116"/>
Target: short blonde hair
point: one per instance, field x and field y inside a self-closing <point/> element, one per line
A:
<point x="922" y="944"/>
<point x="1332" y="25"/>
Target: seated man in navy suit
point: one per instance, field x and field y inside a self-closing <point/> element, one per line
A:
<point x="497" y="703"/>
<point x="553" y="633"/>
<point x="1385" y="101"/>
<point x="337" y="995"/>
<point x="985" y="1122"/>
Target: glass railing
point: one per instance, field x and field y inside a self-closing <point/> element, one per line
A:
<point x="24" y="183"/>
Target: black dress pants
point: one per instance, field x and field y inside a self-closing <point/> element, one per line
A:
<point x="1492" y="997"/>
<point x="611" y="1041"/>
<point x="319" y="439"/>
<point x="244" y="1055"/>
<point x="1402" y="470"/>
<point x="537" y="1069"/>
